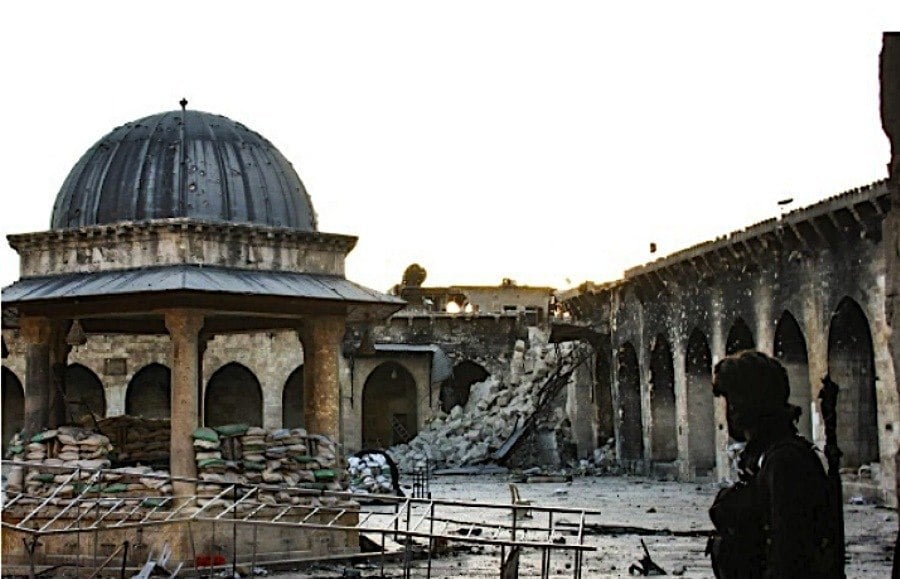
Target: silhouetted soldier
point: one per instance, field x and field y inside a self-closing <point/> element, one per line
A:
<point x="777" y="520"/>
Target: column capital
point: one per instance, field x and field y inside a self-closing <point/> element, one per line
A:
<point x="325" y="327"/>
<point x="184" y="322"/>
<point x="35" y="329"/>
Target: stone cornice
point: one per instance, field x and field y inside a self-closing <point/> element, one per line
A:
<point x="147" y="229"/>
<point x="737" y="242"/>
<point x="180" y="241"/>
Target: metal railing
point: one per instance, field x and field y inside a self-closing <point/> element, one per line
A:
<point x="408" y="520"/>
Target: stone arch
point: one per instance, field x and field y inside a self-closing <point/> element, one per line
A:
<point x="700" y="403"/>
<point x="455" y="391"/>
<point x="389" y="406"/>
<point x="664" y="438"/>
<point x="84" y="392"/>
<point x="292" y="400"/>
<point x="233" y="395"/>
<point x="13" y="403"/>
<point x="851" y="364"/>
<point x="790" y="349"/>
<point x="149" y="392"/>
<point x="739" y="337"/>
<point x="631" y="430"/>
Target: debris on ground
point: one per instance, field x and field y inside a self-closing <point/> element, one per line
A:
<point x="646" y="566"/>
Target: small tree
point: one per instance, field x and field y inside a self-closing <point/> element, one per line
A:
<point x="414" y="276"/>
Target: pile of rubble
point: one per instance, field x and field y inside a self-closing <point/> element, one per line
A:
<point x="280" y="459"/>
<point x="496" y="407"/>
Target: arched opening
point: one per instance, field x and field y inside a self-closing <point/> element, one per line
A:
<point x="455" y="391"/>
<point x="700" y="405"/>
<point x="852" y="366"/>
<point x="13" y="403"/>
<point x="739" y="337"/>
<point x="292" y="400"/>
<point x="389" y="406"/>
<point x="149" y="393"/>
<point x="630" y="423"/>
<point x="662" y="401"/>
<point x="790" y="349"/>
<point x="603" y="395"/>
<point x="84" y="392"/>
<point x="233" y="395"/>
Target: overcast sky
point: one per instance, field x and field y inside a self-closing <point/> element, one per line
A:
<point x="546" y="142"/>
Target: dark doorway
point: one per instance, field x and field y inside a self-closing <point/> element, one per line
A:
<point x="455" y="391"/>
<point x="233" y="395"/>
<point x="13" y="402"/>
<point x="292" y="400"/>
<point x="389" y="406"/>
<point x="739" y="338"/>
<point x="603" y="394"/>
<point x="790" y="349"/>
<point x="84" y="392"/>
<point x="148" y="393"/>
<point x="700" y="404"/>
<point x="852" y="366"/>
<point x="662" y="401"/>
<point x="630" y="421"/>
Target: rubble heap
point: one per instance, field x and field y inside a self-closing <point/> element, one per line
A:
<point x="281" y="459"/>
<point x="496" y="406"/>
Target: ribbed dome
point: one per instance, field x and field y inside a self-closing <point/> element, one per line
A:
<point x="183" y="164"/>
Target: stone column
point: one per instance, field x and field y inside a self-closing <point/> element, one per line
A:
<point x="59" y="361"/>
<point x="322" y="338"/>
<point x="184" y="360"/>
<point x="685" y="461"/>
<point x="717" y="349"/>
<point x="889" y="65"/>
<point x="36" y="333"/>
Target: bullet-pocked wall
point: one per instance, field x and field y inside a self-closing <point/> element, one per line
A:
<point x="808" y="288"/>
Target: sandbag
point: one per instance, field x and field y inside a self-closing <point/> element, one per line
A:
<point x="204" y="433"/>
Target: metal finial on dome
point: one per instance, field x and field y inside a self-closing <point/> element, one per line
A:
<point x="183" y="102"/>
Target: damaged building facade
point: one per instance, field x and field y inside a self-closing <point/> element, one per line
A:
<point x="394" y="377"/>
<point x="807" y="288"/>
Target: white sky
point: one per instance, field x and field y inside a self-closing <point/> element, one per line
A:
<point x="544" y="142"/>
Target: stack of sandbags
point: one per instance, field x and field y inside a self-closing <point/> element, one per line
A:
<point x="207" y="451"/>
<point x="71" y="445"/>
<point x="138" y="441"/>
<point x="277" y="459"/>
<point x="370" y="473"/>
<point x="53" y="454"/>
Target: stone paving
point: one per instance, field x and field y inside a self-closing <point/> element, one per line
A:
<point x="635" y="502"/>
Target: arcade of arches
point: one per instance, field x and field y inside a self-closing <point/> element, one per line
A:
<point x="650" y="410"/>
<point x="232" y="392"/>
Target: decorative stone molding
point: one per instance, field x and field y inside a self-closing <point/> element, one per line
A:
<point x="180" y="241"/>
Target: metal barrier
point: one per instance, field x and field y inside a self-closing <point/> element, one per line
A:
<point x="410" y="520"/>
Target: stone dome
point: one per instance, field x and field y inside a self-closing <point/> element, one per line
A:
<point x="183" y="164"/>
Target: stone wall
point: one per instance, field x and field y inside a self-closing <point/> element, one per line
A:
<point x="747" y="291"/>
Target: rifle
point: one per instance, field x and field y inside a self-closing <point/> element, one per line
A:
<point x="828" y="396"/>
<point x="646" y="566"/>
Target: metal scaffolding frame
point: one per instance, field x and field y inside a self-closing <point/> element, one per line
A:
<point x="416" y="523"/>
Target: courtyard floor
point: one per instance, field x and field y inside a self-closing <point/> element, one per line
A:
<point x="624" y="501"/>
